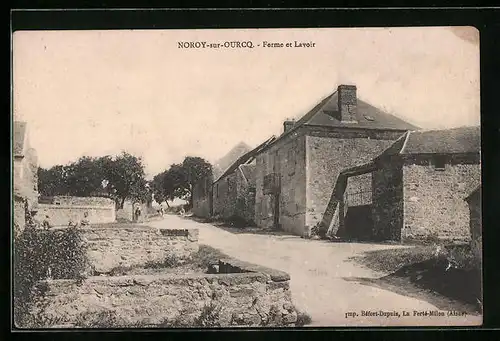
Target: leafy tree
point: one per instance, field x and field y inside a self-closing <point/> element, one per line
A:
<point x="85" y="176"/>
<point x="125" y="174"/>
<point x="52" y="181"/>
<point x="178" y="181"/>
<point x="121" y="177"/>
<point x="157" y="188"/>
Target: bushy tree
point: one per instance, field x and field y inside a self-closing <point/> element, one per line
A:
<point x="121" y="177"/>
<point x="178" y="181"/>
<point x="126" y="177"/>
<point x="52" y="181"/>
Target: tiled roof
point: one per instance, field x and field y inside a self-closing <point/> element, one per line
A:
<point x="449" y="141"/>
<point x="326" y="114"/>
<point x="18" y="138"/>
<point x="367" y="116"/>
<point x="454" y="141"/>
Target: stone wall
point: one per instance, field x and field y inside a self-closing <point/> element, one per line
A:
<point x="60" y="215"/>
<point x="253" y="296"/>
<point x="245" y="199"/>
<point x="287" y="158"/>
<point x="225" y="194"/>
<point x="387" y="201"/>
<point x="82" y="201"/>
<point x="202" y="198"/>
<point x="434" y="203"/>
<point x="234" y="198"/>
<point x="328" y="155"/>
<point x="116" y="246"/>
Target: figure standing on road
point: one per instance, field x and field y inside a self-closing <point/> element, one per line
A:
<point x="137" y="213"/>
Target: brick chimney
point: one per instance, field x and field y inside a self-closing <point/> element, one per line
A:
<point x="347" y="102"/>
<point x="287" y="125"/>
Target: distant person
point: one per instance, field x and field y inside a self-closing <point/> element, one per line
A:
<point x="162" y="212"/>
<point x="137" y="213"/>
<point x="182" y="211"/>
<point x="85" y="221"/>
<point x="46" y="224"/>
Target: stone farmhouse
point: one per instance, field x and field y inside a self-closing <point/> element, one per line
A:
<point x="296" y="173"/>
<point x="418" y="186"/>
<point x="234" y="191"/>
<point x="25" y="167"/>
<point x="202" y="191"/>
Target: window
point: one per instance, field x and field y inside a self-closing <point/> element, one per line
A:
<point x="440" y="163"/>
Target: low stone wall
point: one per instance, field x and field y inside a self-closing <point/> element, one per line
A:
<point x="254" y="296"/>
<point x="60" y="215"/>
<point x="81" y="201"/>
<point x="111" y="247"/>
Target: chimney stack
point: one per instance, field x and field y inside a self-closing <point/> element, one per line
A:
<point x="287" y="125"/>
<point x="347" y="102"/>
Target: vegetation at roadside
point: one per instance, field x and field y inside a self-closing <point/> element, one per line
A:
<point x="40" y="255"/>
<point x="390" y="260"/>
<point x="449" y="270"/>
<point x="207" y="256"/>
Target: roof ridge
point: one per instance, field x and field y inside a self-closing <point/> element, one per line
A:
<point x="446" y="129"/>
<point x="407" y="137"/>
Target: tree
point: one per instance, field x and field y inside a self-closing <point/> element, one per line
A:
<point x="123" y="177"/>
<point x="52" y="181"/>
<point x="156" y="186"/>
<point x="84" y="177"/>
<point x="178" y="181"/>
<point x="125" y="174"/>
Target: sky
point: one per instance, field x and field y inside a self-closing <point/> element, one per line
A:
<point x="100" y="92"/>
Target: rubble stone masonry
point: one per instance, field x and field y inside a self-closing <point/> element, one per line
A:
<point x="225" y="195"/>
<point x="328" y="154"/>
<point x="287" y="159"/>
<point x="434" y="200"/>
<point x="246" y="295"/>
<point x="111" y="247"/>
<point x="387" y="203"/>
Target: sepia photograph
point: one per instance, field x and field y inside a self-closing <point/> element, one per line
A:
<point x="246" y="178"/>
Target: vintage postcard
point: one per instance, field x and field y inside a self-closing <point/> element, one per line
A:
<point x="265" y="178"/>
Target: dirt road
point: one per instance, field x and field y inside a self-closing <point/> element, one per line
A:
<point x="323" y="280"/>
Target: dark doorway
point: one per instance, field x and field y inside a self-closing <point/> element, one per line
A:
<point x="277" y="211"/>
<point x="359" y="223"/>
